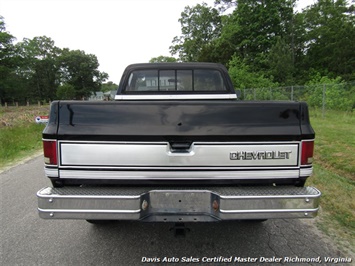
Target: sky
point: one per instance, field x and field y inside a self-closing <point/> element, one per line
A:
<point x="118" y="32"/>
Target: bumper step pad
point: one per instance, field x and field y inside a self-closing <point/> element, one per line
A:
<point x="177" y="204"/>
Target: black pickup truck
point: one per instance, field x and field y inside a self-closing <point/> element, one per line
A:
<point x="177" y="146"/>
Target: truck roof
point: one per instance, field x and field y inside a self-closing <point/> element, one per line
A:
<point x="177" y="65"/>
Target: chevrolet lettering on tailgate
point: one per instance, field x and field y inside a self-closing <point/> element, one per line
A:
<point x="260" y="155"/>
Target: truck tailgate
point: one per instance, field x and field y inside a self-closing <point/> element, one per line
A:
<point x="180" y="121"/>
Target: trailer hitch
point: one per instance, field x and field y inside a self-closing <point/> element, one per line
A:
<point x="179" y="229"/>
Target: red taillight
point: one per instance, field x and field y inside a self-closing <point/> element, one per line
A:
<point x="50" y="152"/>
<point x="307" y="152"/>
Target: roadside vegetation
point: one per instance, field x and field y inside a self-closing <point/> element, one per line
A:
<point x="20" y="136"/>
<point x="334" y="174"/>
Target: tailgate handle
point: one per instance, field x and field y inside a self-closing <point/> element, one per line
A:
<point x="180" y="148"/>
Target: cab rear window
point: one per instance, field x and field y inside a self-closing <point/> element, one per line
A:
<point x="201" y="80"/>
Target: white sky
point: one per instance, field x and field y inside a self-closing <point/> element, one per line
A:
<point x="118" y="32"/>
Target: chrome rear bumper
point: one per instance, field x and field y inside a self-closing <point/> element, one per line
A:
<point x="177" y="204"/>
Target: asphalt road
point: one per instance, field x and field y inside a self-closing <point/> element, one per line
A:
<point x="28" y="240"/>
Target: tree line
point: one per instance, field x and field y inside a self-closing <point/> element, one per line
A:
<point x="36" y="70"/>
<point x="267" y="43"/>
<point x="263" y="43"/>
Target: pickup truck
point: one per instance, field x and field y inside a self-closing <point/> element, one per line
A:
<point x="177" y="146"/>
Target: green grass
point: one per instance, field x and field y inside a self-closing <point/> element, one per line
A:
<point x="334" y="174"/>
<point x="335" y="141"/>
<point x="20" y="136"/>
<point x="19" y="141"/>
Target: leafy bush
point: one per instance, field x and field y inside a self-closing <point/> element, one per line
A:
<point x="243" y="78"/>
<point x="333" y="92"/>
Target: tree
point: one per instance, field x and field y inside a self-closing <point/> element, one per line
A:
<point x="297" y="47"/>
<point x="162" y="59"/>
<point x="7" y="63"/>
<point x="224" y="5"/>
<point x="34" y="68"/>
<point x="81" y="71"/>
<point x="251" y="31"/>
<point x="39" y="66"/>
<point x="66" y="92"/>
<point x="222" y="49"/>
<point x="109" y="86"/>
<point x="280" y="61"/>
<point x="330" y="38"/>
<point x="6" y="39"/>
<point x="244" y="78"/>
<point x="199" y="26"/>
<point x="259" y="25"/>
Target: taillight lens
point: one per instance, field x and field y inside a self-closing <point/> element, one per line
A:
<point x="307" y="152"/>
<point x="50" y="152"/>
